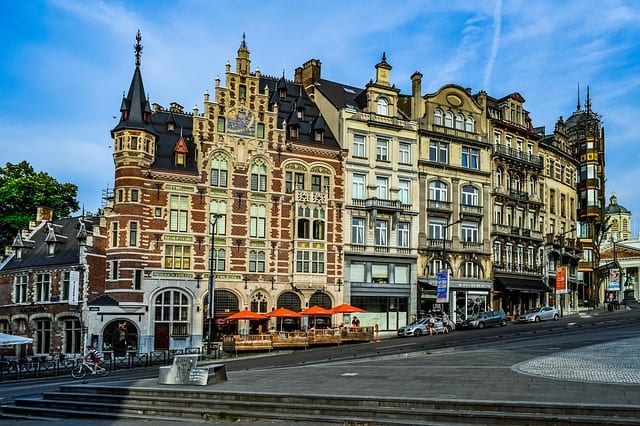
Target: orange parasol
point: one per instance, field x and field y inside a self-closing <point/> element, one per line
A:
<point x="284" y="313"/>
<point x="316" y="310"/>
<point x="345" y="308"/>
<point x="246" y="315"/>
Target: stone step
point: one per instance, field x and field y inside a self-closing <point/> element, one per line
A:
<point x="172" y="404"/>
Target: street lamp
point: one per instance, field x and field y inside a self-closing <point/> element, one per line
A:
<point x="568" y="274"/>
<point x="212" y="279"/>
<point x="444" y="261"/>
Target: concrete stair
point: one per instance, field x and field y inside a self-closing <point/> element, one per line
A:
<point x="179" y="403"/>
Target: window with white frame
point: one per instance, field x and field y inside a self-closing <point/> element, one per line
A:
<point x="219" y="171"/>
<point x="520" y="255"/>
<point x="402" y="274"/>
<point x="470" y="157"/>
<point x="382" y="150"/>
<point x="469" y="124"/>
<point x="218" y="218"/>
<point x="357" y="230"/>
<point x="508" y="254"/>
<point x="439" y="152"/>
<point x="497" y="252"/>
<point x="469" y="196"/>
<point x="404" y="153"/>
<point x="437" y="228"/>
<point x="470" y="270"/>
<point x="218" y="262"/>
<point x="43" y="287"/>
<point x="499" y="177"/>
<point x="459" y="122"/>
<point x="258" y="220"/>
<point x="133" y="234"/>
<point x="178" y="213"/>
<point x="357" y="272"/>
<point x="383" y="106"/>
<point x="172" y="307"/>
<point x="64" y="285"/>
<point x="380" y="273"/>
<point x="358" y="146"/>
<point x="438" y="117"/>
<point x="436" y="266"/>
<point x="20" y="288"/>
<point x="404" y="231"/>
<point x="381" y="233"/>
<point x="532" y="185"/>
<point x="497" y="137"/>
<point x="438" y="191"/>
<point x="448" y="119"/>
<point x="359" y="186"/>
<point x="530" y="256"/>
<point x="404" y="191"/>
<point x="469" y="232"/>
<point x="382" y="187"/>
<point x="257" y="261"/>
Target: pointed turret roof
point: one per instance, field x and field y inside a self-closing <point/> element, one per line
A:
<point x="135" y="108"/>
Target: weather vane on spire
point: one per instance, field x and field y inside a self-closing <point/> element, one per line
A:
<point x="138" y="48"/>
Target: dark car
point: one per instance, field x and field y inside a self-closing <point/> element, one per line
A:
<point x="487" y="319"/>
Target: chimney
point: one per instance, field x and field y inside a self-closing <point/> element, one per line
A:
<point x="416" y="95"/>
<point x="309" y="73"/>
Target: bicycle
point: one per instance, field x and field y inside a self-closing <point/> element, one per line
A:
<point x="84" y="368"/>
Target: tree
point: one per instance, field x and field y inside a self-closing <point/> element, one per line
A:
<point x="22" y="191"/>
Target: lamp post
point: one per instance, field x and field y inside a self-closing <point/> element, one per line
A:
<point x="444" y="261"/>
<point x="212" y="280"/>
<point x="568" y="274"/>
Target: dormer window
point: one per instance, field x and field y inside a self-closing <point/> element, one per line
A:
<point x="319" y="136"/>
<point x="293" y="132"/>
<point x="383" y="106"/>
<point x="181" y="159"/>
<point x="282" y="93"/>
<point x="180" y="153"/>
<point x="171" y="126"/>
<point x="51" y="248"/>
<point x="19" y="253"/>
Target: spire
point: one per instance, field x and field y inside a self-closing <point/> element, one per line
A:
<point x="587" y="103"/>
<point x="242" y="61"/>
<point x="578" y="106"/>
<point x="135" y="108"/>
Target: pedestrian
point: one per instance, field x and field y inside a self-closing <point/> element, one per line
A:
<point x="445" y="323"/>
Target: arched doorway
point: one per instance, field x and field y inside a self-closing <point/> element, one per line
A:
<point x="120" y="337"/>
<point x="171" y="318"/>
<point x="225" y="304"/>
<point x="323" y="300"/>
<point x="291" y="301"/>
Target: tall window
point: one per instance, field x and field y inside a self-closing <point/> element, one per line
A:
<point x="470" y="157"/>
<point x="357" y="230"/>
<point x="404" y="153"/>
<point x="258" y="221"/>
<point x="459" y="122"/>
<point x="358" y="146"/>
<point x="72" y="336"/>
<point x="382" y="188"/>
<point x="448" y="119"/>
<point x="403" y="234"/>
<point x="436" y="228"/>
<point x="382" y="150"/>
<point x="43" y="287"/>
<point x="64" y="285"/>
<point x="114" y="234"/>
<point x="43" y="336"/>
<point x="381" y="233"/>
<point x="469" y="232"/>
<point x="499" y="178"/>
<point x="178" y="213"/>
<point x="470" y="270"/>
<point x="20" y="289"/>
<point x="469" y="125"/>
<point x="383" y="106"/>
<point x="259" y="177"/>
<point x="317" y="262"/>
<point x="438" y="117"/>
<point x="173" y="307"/>
<point x="219" y="260"/>
<point x="257" y="261"/>
<point x="359" y="186"/>
<point x="497" y="252"/>
<point x="177" y="257"/>
<point x="438" y="191"/>
<point x="439" y="152"/>
<point x="218" y="218"/>
<point x="219" y="170"/>
<point x="133" y="234"/>
<point x="469" y="196"/>
<point x="404" y="191"/>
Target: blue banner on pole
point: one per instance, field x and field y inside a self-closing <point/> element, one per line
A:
<point x="442" y="288"/>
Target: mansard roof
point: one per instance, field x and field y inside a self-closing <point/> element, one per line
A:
<point x="66" y="233"/>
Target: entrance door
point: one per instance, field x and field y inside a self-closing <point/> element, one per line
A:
<point x="161" y="336"/>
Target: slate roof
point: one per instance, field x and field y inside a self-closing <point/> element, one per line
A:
<point x="64" y="232"/>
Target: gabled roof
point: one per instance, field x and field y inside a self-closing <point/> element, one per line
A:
<point x="341" y="95"/>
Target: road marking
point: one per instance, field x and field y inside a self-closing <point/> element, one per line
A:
<point x="349" y="374"/>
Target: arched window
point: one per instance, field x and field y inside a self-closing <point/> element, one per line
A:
<point x="532" y="185"/>
<point x="259" y="176"/>
<point x="219" y="170"/>
<point x="469" y="196"/>
<point x="459" y="122"/>
<point x="470" y="125"/>
<point x="259" y="303"/>
<point x="257" y="261"/>
<point x="448" y="119"/>
<point x="437" y="191"/>
<point x="321" y="299"/>
<point x="383" y="106"/>
<point x="499" y="177"/>
<point x="438" y="117"/>
<point x="172" y="307"/>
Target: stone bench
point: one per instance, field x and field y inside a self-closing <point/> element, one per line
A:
<point x="186" y="371"/>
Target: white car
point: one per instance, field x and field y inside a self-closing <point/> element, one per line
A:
<point x="540" y="314"/>
<point x="420" y="327"/>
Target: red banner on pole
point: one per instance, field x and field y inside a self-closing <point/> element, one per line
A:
<point x="561" y="280"/>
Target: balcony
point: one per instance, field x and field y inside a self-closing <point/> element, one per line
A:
<point x="444" y="206"/>
<point x="466" y="209"/>
<point x="381" y="205"/>
<point x="517" y="269"/>
<point x="519" y="156"/>
<point x="392" y="122"/>
<point x="317" y="197"/>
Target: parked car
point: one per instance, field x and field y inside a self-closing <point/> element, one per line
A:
<point x="420" y="327"/>
<point x="487" y="319"/>
<point x="540" y="314"/>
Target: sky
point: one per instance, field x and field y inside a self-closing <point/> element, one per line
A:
<point x="67" y="63"/>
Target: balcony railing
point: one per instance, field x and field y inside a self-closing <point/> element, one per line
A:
<point x="439" y="205"/>
<point x="518" y="155"/>
<point x="469" y="209"/>
<point x="318" y="197"/>
<point x="520" y="269"/>
<point x="384" y="120"/>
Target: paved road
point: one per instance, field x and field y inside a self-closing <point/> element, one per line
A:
<point x="604" y="369"/>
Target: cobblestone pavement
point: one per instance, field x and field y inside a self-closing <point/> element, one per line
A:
<point x="613" y="362"/>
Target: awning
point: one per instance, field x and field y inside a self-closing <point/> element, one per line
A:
<point x="522" y="285"/>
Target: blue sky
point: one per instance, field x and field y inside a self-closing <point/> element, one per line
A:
<point x="67" y="63"/>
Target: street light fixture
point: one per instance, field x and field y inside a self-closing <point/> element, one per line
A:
<point x="212" y="279"/>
